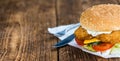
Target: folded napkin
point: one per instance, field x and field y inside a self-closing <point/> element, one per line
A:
<point x="64" y="31"/>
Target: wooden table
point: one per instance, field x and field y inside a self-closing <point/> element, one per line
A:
<point x="24" y="35"/>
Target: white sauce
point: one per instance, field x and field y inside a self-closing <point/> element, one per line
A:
<point x="93" y="33"/>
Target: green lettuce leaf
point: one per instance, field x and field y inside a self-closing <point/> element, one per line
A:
<point x="89" y="47"/>
<point x="115" y="49"/>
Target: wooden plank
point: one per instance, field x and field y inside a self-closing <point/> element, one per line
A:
<point x="68" y="12"/>
<point x="24" y="35"/>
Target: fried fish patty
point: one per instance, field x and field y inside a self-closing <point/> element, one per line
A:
<point x="113" y="37"/>
<point x="82" y="34"/>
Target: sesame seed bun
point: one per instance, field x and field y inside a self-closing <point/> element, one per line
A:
<point x="103" y="17"/>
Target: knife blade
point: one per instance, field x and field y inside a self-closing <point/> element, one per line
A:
<point x="65" y="41"/>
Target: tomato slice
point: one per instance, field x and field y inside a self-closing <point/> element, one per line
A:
<point x="79" y="42"/>
<point x="103" y="46"/>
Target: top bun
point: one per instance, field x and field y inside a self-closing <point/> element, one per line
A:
<point x="103" y="18"/>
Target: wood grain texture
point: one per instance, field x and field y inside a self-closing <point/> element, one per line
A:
<point x="23" y="30"/>
<point x="24" y="35"/>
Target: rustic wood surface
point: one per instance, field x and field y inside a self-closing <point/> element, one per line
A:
<point x="24" y="35"/>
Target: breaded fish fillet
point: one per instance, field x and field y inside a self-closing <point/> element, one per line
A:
<point x="113" y="37"/>
<point x="82" y="34"/>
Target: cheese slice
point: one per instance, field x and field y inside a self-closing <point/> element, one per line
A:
<point x="91" y="41"/>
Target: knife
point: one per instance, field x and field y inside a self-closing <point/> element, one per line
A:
<point x="65" y="41"/>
